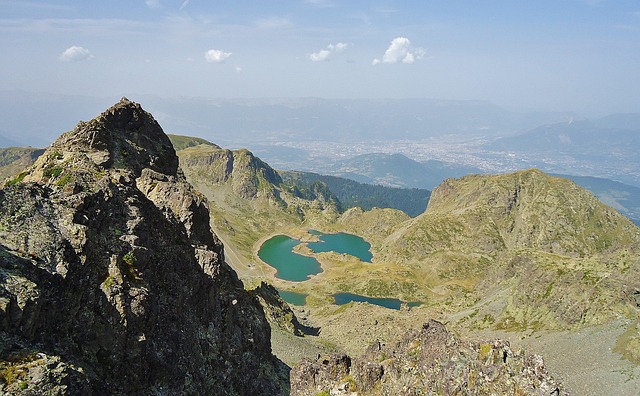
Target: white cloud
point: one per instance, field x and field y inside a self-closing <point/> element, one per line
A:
<point x="216" y="56"/>
<point x="185" y="3"/>
<point x="325" y="54"/>
<point x="400" y="50"/>
<point x="238" y="69"/>
<point x="75" y="54"/>
<point x="339" y="47"/>
<point x="319" y="56"/>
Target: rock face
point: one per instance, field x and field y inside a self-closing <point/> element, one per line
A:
<point x="111" y="281"/>
<point x="248" y="176"/>
<point x="276" y="310"/>
<point x="430" y="361"/>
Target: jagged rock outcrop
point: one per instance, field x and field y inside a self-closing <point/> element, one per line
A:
<point x="425" y="362"/>
<point x="277" y="310"/>
<point x="111" y="281"/>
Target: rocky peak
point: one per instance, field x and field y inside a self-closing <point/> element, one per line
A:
<point x="124" y="136"/>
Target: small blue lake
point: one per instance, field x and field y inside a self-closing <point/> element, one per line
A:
<point x="293" y="297"/>
<point x="278" y="253"/>
<point x="391" y="303"/>
<point x="342" y="243"/>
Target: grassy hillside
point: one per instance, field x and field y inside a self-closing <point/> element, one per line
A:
<point x="181" y="142"/>
<point x="565" y="258"/>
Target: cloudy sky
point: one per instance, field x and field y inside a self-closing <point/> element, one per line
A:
<point x="580" y="55"/>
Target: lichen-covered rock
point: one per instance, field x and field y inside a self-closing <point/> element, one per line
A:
<point x="111" y="281"/>
<point x="431" y="361"/>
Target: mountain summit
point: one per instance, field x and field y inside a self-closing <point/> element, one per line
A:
<point x="111" y="281"/>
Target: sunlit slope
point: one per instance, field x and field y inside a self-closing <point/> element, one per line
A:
<point x="529" y="250"/>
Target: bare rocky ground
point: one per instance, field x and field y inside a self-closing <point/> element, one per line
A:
<point x="584" y="360"/>
<point x="292" y="349"/>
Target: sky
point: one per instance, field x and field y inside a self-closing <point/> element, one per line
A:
<point x="543" y="55"/>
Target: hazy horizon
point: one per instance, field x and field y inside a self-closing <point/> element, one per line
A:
<point x="577" y="55"/>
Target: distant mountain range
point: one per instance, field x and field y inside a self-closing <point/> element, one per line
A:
<point x="397" y="170"/>
<point x="607" y="146"/>
<point x="35" y="118"/>
<point x="281" y="131"/>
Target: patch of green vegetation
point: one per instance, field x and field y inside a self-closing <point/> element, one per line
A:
<point x="342" y="308"/>
<point x="52" y="171"/>
<point x="509" y="323"/>
<point x="323" y="393"/>
<point x="352" y="382"/>
<point x="10" y="374"/>
<point x="64" y="180"/>
<point x="131" y="271"/>
<point x="485" y="350"/>
<point x="489" y="319"/>
<point x="378" y="288"/>
<point x="110" y="281"/>
<point x="16" y="366"/>
<point x="129" y="258"/>
<point x="17" y="179"/>
<point x="628" y="344"/>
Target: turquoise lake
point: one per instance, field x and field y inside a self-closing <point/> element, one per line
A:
<point x="342" y="243"/>
<point x="391" y="303"/>
<point x="278" y="253"/>
<point x="293" y="297"/>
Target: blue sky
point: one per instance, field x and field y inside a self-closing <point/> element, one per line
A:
<point x="564" y="55"/>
